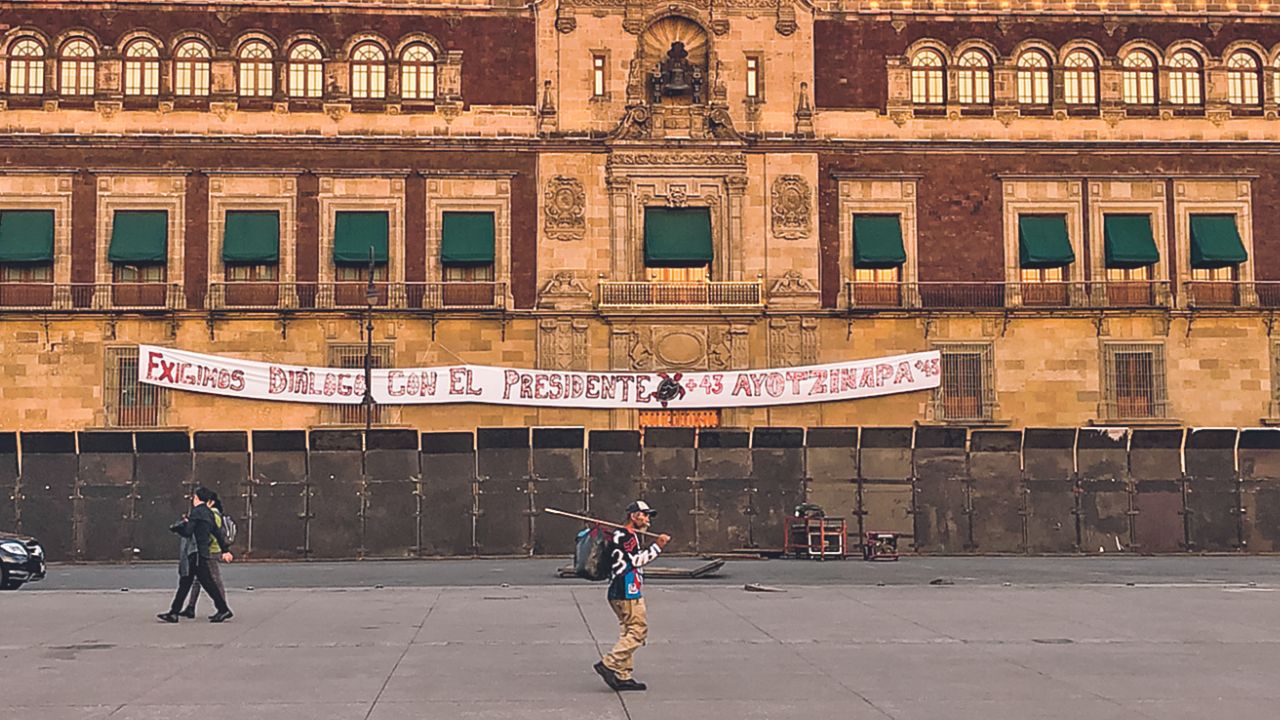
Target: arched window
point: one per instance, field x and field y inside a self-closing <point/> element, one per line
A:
<point x="927" y="73"/>
<point x="306" y="71"/>
<point x="191" y="69"/>
<point x="1080" y="78"/>
<point x="76" y="68"/>
<point x="1033" y="78"/>
<point x="1139" y="78"/>
<point x="256" y="72"/>
<point x="1185" y="81"/>
<point x="368" y="72"/>
<point x="974" y="78"/>
<point x="142" y="68"/>
<point x="26" y="68"/>
<point x="417" y="73"/>
<point x="1244" y="79"/>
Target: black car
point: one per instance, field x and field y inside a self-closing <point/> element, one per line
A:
<point x="21" y="561"/>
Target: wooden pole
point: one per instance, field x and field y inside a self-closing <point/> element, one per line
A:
<point x="593" y="521"/>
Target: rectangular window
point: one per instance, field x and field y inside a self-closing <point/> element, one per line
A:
<point x="243" y="272"/>
<point x="753" y="78"/>
<point x="678" y="274"/>
<point x="129" y="403"/>
<point x="597" y="76"/>
<point x="968" y="383"/>
<point x="1134" y="381"/>
<point x="26" y="273"/>
<point x="154" y="273"/>
<point x="352" y="356"/>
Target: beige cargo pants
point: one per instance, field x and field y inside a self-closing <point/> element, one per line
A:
<point x="633" y="628"/>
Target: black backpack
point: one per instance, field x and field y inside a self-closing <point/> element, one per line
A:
<point x="591" y="554"/>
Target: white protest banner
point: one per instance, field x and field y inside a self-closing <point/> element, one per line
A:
<point x="233" y="377"/>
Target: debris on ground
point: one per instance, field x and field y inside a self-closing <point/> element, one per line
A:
<point x="757" y="587"/>
<point x="942" y="581"/>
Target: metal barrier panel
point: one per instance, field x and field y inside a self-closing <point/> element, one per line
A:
<point x="106" y="523"/>
<point x="616" y="468"/>
<point x="1048" y="453"/>
<point x="1158" y="522"/>
<point x="335" y="497"/>
<point x="884" y="453"/>
<point x="278" y="500"/>
<point x="554" y="535"/>
<point x="46" y="489"/>
<point x="559" y="470"/>
<point x="8" y="480"/>
<point x="391" y="494"/>
<point x="162" y="470"/>
<point x="1155" y="454"/>
<point x="1052" y="516"/>
<point x="670" y="453"/>
<point x="1260" y="513"/>
<point x="1211" y="453"/>
<point x="1214" y="515"/>
<point x="1260" y="489"/>
<point x="941" y="502"/>
<point x="221" y="463"/>
<point x="777" y="453"/>
<point x="885" y="506"/>
<point x="675" y="502"/>
<point x="1155" y="463"/>
<point x="997" y="501"/>
<point x="1102" y="453"/>
<point x="447" y="525"/>
<point x="1104" y="515"/>
<point x="724" y="454"/>
<point x="503" y="521"/>
<point x="831" y="453"/>
<point x="502" y="453"/>
<point x="777" y="483"/>
<point x="1259" y="450"/>
<point x="838" y="499"/>
<point x="723" y="523"/>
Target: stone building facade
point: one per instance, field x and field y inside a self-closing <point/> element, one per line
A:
<point x="1073" y="201"/>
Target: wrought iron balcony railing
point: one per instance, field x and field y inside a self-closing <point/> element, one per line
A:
<point x="748" y="294"/>
<point x="1000" y="295"/>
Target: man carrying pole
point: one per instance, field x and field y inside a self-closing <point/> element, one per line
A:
<point x="625" y="594"/>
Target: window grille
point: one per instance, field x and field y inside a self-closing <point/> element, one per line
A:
<point x="352" y="356"/>
<point x="679" y="418"/>
<point x="1274" y="411"/>
<point x="1134" y="381"/>
<point x="968" y="384"/>
<point x="129" y="403"/>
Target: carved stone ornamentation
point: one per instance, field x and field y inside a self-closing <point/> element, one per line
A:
<point x="804" y="112"/>
<point x="679" y="158"/>
<point x="793" y="341"/>
<point x="565" y="21"/>
<point x="793" y="291"/>
<point x="691" y="348"/>
<point x="336" y="111"/>
<point x="635" y="124"/>
<point x="790" y="208"/>
<point x="562" y="344"/>
<point x="677" y="197"/>
<point x="565" y="291"/>
<point x="108" y="108"/>
<point x="786" y="24"/>
<point x="720" y="125"/>
<point x="565" y="203"/>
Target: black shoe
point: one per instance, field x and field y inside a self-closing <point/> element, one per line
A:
<point x="225" y="615"/>
<point x="610" y="678"/>
<point x="630" y="684"/>
<point x="189" y="613"/>
<point x="168" y="617"/>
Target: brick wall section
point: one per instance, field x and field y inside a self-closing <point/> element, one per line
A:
<point x="498" y="63"/>
<point x="84" y="221"/>
<point x="960" y="207"/>
<point x="415" y="229"/>
<point x="849" y="56"/>
<point x="196" y="274"/>
<point x="306" y="254"/>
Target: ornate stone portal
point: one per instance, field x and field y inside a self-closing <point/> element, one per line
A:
<point x="651" y="348"/>
<point x="675" y="86"/>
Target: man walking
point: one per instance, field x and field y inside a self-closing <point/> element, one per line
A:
<point x="207" y="531"/>
<point x="625" y="595"/>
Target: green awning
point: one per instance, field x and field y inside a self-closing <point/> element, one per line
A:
<point x="251" y="236"/>
<point x="677" y="237"/>
<point x="1128" y="241"/>
<point x="1043" y="241"/>
<point x="26" y="236"/>
<point x="355" y="232"/>
<point x="467" y="238"/>
<point x="1215" y="242"/>
<point x="877" y="241"/>
<point x="139" y="237"/>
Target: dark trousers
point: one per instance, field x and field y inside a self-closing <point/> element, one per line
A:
<point x="184" y="586"/>
<point x="205" y="576"/>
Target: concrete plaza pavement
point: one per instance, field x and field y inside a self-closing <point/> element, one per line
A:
<point x="1183" y="649"/>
